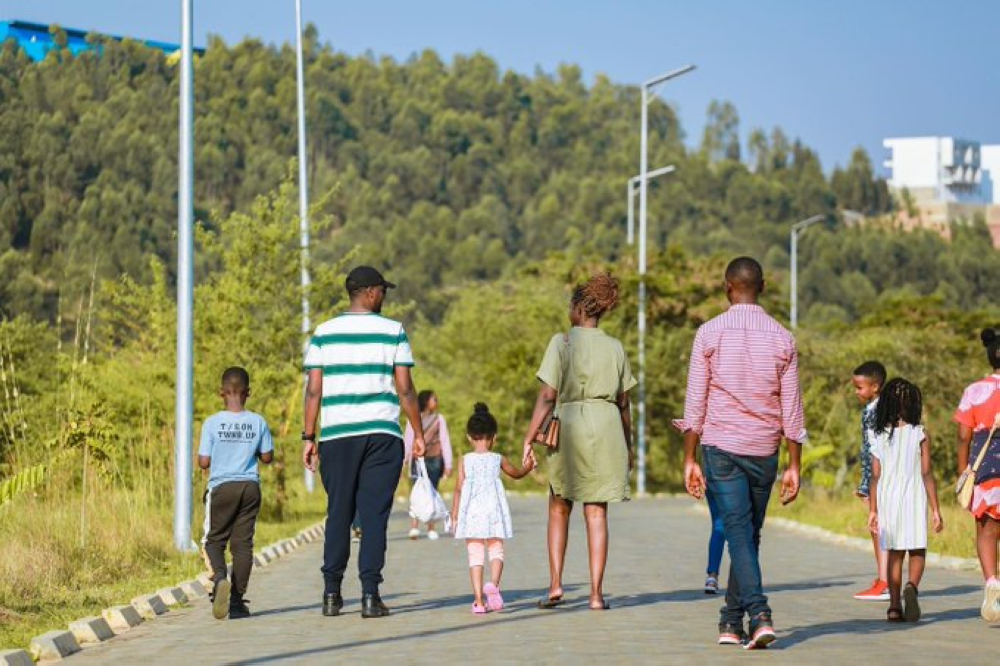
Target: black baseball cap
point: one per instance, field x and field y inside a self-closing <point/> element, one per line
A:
<point x="366" y="276"/>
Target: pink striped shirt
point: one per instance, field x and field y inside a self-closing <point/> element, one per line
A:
<point x="743" y="391"/>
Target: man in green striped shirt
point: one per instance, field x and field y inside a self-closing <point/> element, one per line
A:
<point x="359" y="377"/>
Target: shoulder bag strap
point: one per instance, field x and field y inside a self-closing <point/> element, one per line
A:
<point x="986" y="445"/>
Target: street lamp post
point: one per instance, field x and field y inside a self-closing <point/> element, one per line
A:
<point x="648" y="90"/>
<point x="797" y="228"/>
<point x="632" y="182"/>
<point x="309" y="479"/>
<point x="184" y="388"/>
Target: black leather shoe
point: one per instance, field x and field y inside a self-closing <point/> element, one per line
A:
<point x="238" y="608"/>
<point x="332" y="603"/>
<point x="372" y="606"/>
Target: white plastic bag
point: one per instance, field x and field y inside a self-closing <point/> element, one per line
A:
<point x="426" y="504"/>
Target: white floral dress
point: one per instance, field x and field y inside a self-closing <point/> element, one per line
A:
<point x="483" y="512"/>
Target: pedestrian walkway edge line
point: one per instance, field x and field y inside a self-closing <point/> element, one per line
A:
<point x="856" y="543"/>
<point x="150" y="606"/>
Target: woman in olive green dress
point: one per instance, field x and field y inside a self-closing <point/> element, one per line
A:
<point x="586" y="376"/>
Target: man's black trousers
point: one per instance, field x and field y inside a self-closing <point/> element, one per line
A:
<point x="360" y="474"/>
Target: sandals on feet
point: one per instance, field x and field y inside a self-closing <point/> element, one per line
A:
<point x="894" y="615"/>
<point x="604" y="606"/>
<point x="550" y="602"/>
<point x="494" y="601"/>
<point x="911" y="607"/>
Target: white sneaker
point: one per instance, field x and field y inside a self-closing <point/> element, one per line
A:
<point x="991" y="602"/>
<point x="414" y="533"/>
<point x="432" y="535"/>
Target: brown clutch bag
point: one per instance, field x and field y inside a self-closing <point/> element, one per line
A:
<point x="548" y="434"/>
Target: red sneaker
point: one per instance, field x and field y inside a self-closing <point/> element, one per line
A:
<point x="879" y="591"/>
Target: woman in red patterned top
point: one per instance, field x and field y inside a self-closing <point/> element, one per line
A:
<point x="976" y="414"/>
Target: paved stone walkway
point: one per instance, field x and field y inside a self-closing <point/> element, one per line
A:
<point x="659" y="612"/>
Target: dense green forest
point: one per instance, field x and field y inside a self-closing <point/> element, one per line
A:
<point x="484" y="193"/>
<point x="459" y="179"/>
<point x="440" y="172"/>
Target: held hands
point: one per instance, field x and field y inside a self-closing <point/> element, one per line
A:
<point x="790" y="485"/>
<point x="529" y="462"/>
<point x="529" y="454"/>
<point x="309" y="456"/>
<point x="694" y="480"/>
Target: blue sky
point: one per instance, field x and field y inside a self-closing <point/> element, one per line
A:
<point x="836" y="73"/>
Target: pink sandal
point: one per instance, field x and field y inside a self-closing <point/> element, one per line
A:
<point x="477" y="609"/>
<point x="493" y="599"/>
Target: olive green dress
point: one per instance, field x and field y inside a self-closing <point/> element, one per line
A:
<point x="589" y="369"/>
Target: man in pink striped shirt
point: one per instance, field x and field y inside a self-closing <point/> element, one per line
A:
<point x="743" y="397"/>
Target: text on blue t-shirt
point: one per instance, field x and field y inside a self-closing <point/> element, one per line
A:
<point x="233" y="440"/>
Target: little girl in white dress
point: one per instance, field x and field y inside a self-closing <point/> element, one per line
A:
<point x="902" y="486"/>
<point x="480" y="511"/>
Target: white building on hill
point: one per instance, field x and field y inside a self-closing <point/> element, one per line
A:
<point x="947" y="180"/>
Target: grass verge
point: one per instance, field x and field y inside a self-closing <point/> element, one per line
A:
<point x="843" y="513"/>
<point x="52" y="571"/>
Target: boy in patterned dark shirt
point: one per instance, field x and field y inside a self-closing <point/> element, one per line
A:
<point x="868" y="379"/>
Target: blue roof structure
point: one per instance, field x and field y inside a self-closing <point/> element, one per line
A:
<point x="36" y="40"/>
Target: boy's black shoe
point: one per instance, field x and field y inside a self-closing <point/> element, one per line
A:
<point x="332" y="603"/>
<point x="238" y="607"/>
<point x="372" y="606"/>
<point x="220" y="598"/>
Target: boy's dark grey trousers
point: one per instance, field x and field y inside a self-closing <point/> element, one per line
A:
<point x="232" y="515"/>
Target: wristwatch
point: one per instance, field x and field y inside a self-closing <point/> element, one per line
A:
<point x="309" y="438"/>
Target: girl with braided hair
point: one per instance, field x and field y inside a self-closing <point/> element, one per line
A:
<point x="586" y="376"/>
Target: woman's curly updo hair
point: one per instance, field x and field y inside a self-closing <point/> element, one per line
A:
<point x="598" y="296"/>
<point x="482" y="424"/>
<point x="991" y="340"/>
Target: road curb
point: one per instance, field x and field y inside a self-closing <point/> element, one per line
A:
<point x="856" y="543"/>
<point x="117" y="620"/>
<point x="122" y="618"/>
<point x="16" y="658"/>
<point x="172" y="596"/>
<point x="91" y="630"/>
<point x="53" y="645"/>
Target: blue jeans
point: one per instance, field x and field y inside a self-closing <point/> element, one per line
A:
<point x="741" y="486"/>
<point x="716" y="542"/>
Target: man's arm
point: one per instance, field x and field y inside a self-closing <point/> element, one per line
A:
<point x="793" y="419"/>
<point x="790" y="479"/>
<point x="793" y="426"/>
<point x="314" y="396"/>
<point x="407" y="393"/>
<point x="695" y="408"/>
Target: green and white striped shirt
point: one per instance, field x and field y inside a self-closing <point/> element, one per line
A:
<point x="358" y="353"/>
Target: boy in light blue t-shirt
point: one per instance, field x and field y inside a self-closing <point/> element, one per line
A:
<point x="232" y="441"/>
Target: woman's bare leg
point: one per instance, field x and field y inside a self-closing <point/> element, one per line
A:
<point x="918" y="559"/>
<point x="987" y="538"/>
<point x="558" y="536"/>
<point x="596" y="516"/>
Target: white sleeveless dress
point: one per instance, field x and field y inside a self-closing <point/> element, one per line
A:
<point x="902" y="498"/>
<point x="483" y="512"/>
